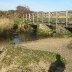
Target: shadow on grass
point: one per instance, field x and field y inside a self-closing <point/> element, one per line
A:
<point x="57" y="66"/>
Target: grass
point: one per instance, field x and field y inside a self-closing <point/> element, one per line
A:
<point x="15" y="58"/>
<point x="69" y="46"/>
<point x="22" y="57"/>
<point x="5" y="23"/>
<point x="44" y="31"/>
<point x="25" y="56"/>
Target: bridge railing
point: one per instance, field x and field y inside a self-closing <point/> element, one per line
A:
<point x="58" y="17"/>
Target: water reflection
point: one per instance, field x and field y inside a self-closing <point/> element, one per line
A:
<point x="16" y="40"/>
<point x="24" y="38"/>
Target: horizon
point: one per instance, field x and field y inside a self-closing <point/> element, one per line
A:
<point x="37" y="5"/>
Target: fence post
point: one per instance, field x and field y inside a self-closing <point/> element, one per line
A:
<point x="23" y="17"/>
<point x="42" y="17"/>
<point x="29" y="16"/>
<point x="56" y="20"/>
<point x="49" y="17"/>
<point x="37" y="17"/>
<point x="33" y="17"/>
<point x="26" y="16"/>
<point x="66" y="18"/>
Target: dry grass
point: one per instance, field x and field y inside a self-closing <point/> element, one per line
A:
<point x="5" y="23"/>
<point x="15" y="59"/>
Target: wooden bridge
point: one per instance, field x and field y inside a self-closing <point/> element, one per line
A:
<point x="63" y="18"/>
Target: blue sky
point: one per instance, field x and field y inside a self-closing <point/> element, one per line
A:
<point x="37" y="5"/>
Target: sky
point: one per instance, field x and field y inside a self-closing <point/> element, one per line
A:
<point x="37" y="5"/>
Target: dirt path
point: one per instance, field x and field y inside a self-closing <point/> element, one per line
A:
<point x="57" y="45"/>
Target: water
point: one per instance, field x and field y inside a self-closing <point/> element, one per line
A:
<point x="16" y="40"/>
<point x="23" y="38"/>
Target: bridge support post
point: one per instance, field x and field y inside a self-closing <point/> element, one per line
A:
<point x="34" y="32"/>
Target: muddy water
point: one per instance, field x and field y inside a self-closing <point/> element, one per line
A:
<point x="23" y="38"/>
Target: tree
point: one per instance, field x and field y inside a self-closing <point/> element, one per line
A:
<point x="22" y="9"/>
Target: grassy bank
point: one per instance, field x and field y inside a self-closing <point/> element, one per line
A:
<point x="17" y="59"/>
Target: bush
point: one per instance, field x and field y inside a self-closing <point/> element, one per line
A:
<point x="58" y="34"/>
<point x="44" y="33"/>
<point x="17" y="20"/>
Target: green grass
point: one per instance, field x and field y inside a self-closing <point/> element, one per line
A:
<point x="25" y="56"/>
<point x="22" y="57"/>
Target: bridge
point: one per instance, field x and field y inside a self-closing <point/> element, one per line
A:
<point x="62" y="18"/>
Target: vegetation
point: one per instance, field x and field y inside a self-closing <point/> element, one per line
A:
<point x="61" y="32"/>
<point x="44" y="31"/>
<point x="20" y="10"/>
<point x="69" y="46"/>
<point x="22" y="58"/>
